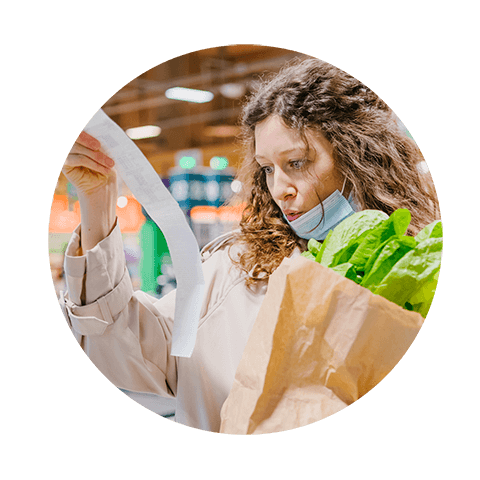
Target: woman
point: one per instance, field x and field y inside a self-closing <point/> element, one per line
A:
<point x="319" y="146"/>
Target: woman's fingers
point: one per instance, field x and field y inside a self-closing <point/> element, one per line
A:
<point x="76" y="160"/>
<point x="88" y="141"/>
<point x="87" y="168"/>
<point x="96" y="156"/>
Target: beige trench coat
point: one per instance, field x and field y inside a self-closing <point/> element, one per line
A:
<point x="127" y="334"/>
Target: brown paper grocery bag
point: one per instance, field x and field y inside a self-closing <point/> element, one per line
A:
<point x="319" y="343"/>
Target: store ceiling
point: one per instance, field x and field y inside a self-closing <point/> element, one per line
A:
<point x="188" y="125"/>
<point x="184" y="125"/>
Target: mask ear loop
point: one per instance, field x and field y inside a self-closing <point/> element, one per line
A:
<point x="343" y="188"/>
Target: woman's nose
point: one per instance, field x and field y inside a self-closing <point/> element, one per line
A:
<point x="283" y="187"/>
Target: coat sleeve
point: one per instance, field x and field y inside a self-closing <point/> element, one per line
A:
<point x="126" y="334"/>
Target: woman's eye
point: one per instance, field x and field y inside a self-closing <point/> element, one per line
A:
<point x="297" y="164"/>
<point x="267" y="170"/>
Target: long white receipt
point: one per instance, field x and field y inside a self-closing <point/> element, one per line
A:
<point x="148" y="189"/>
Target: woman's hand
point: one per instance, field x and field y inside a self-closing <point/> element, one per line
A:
<point x="87" y="168"/>
<point x="92" y="174"/>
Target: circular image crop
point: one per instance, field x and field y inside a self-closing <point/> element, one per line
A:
<point x="245" y="239"/>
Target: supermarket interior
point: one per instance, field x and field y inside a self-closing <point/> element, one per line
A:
<point x="183" y="116"/>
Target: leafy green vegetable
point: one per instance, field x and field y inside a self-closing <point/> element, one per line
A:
<point x="314" y="246"/>
<point x="324" y="244"/>
<point x="309" y="255"/>
<point x="413" y="271"/>
<point x="396" y="224"/>
<point x="433" y="230"/>
<point x="347" y="235"/>
<point x="422" y="299"/>
<point x="373" y="250"/>
<point x="391" y="252"/>
<point x="346" y="270"/>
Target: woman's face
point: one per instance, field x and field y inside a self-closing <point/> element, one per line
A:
<point x="297" y="179"/>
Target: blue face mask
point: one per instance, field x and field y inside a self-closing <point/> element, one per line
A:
<point x="336" y="208"/>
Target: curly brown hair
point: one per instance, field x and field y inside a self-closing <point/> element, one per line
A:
<point x="376" y="156"/>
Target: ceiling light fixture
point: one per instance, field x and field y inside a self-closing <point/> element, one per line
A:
<point x="233" y="90"/>
<point x="147" y="131"/>
<point x="189" y="95"/>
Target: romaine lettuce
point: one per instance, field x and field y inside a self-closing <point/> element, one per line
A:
<point x="373" y="250"/>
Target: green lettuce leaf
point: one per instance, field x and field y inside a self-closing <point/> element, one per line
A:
<point x="421" y="300"/>
<point x="374" y="251"/>
<point x="319" y="256"/>
<point x="390" y="252"/>
<point x="432" y="230"/>
<point x="414" y="270"/>
<point x="346" y="236"/>
<point x="346" y="270"/>
<point x="309" y="255"/>
<point x="395" y="225"/>
<point x="314" y="246"/>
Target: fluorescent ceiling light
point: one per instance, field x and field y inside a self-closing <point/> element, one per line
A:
<point x="233" y="90"/>
<point x="189" y="95"/>
<point x="147" y="131"/>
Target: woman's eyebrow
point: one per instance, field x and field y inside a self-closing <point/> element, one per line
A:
<point x="284" y="152"/>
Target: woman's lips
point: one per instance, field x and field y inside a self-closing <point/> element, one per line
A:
<point x="292" y="216"/>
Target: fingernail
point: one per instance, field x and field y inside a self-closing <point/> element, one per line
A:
<point x="90" y="142"/>
<point x="101" y="157"/>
